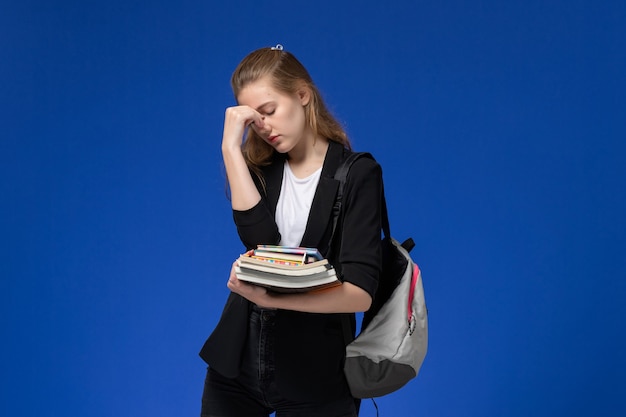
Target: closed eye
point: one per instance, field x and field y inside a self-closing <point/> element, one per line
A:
<point x="267" y="109"/>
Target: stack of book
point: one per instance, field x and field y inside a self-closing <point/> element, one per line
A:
<point x="286" y="269"/>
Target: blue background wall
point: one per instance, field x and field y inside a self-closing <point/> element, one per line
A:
<point x="500" y="126"/>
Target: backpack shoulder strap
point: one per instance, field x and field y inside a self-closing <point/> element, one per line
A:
<point x="335" y="242"/>
<point x="342" y="175"/>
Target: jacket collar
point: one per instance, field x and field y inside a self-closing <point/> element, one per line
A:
<point x="323" y="200"/>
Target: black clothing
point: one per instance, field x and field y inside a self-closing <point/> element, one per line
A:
<point x="309" y="348"/>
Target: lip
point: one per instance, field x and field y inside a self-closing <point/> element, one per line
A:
<point x="272" y="138"/>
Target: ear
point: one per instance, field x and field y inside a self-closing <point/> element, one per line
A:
<point x="304" y="94"/>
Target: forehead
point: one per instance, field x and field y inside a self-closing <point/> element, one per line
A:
<point x="259" y="92"/>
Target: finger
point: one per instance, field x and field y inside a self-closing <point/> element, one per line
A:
<point x="233" y="278"/>
<point x="233" y="284"/>
<point x="258" y="123"/>
<point x="245" y="114"/>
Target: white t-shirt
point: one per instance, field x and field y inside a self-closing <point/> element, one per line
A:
<point x="294" y="205"/>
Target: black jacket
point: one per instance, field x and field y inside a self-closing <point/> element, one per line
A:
<point x="309" y="348"/>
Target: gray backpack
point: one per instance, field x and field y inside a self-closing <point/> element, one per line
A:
<point x="392" y="343"/>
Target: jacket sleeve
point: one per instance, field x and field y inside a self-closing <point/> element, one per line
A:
<point x="361" y="252"/>
<point x="256" y="226"/>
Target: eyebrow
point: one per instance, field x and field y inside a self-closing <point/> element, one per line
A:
<point x="259" y="108"/>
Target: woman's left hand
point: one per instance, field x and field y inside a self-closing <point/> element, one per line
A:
<point x="345" y="298"/>
<point x="253" y="293"/>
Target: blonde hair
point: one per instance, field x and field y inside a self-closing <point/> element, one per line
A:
<point x="287" y="75"/>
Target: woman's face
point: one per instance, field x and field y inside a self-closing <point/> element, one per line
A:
<point x="283" y="114"/>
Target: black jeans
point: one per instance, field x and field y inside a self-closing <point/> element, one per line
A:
<point x="254" y="392"/>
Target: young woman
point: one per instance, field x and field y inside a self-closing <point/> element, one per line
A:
<point x="285" y="352"/>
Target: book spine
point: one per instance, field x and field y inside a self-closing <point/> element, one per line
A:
<point x="294" y="257"/>
<point x="307" y="252"/>
<point x="277" y="261"/>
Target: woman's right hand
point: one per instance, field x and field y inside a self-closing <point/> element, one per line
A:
<point x="243" y="192"/>
<point x="236" y="120"/>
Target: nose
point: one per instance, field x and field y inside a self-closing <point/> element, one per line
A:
<point x="265" y="129"/>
